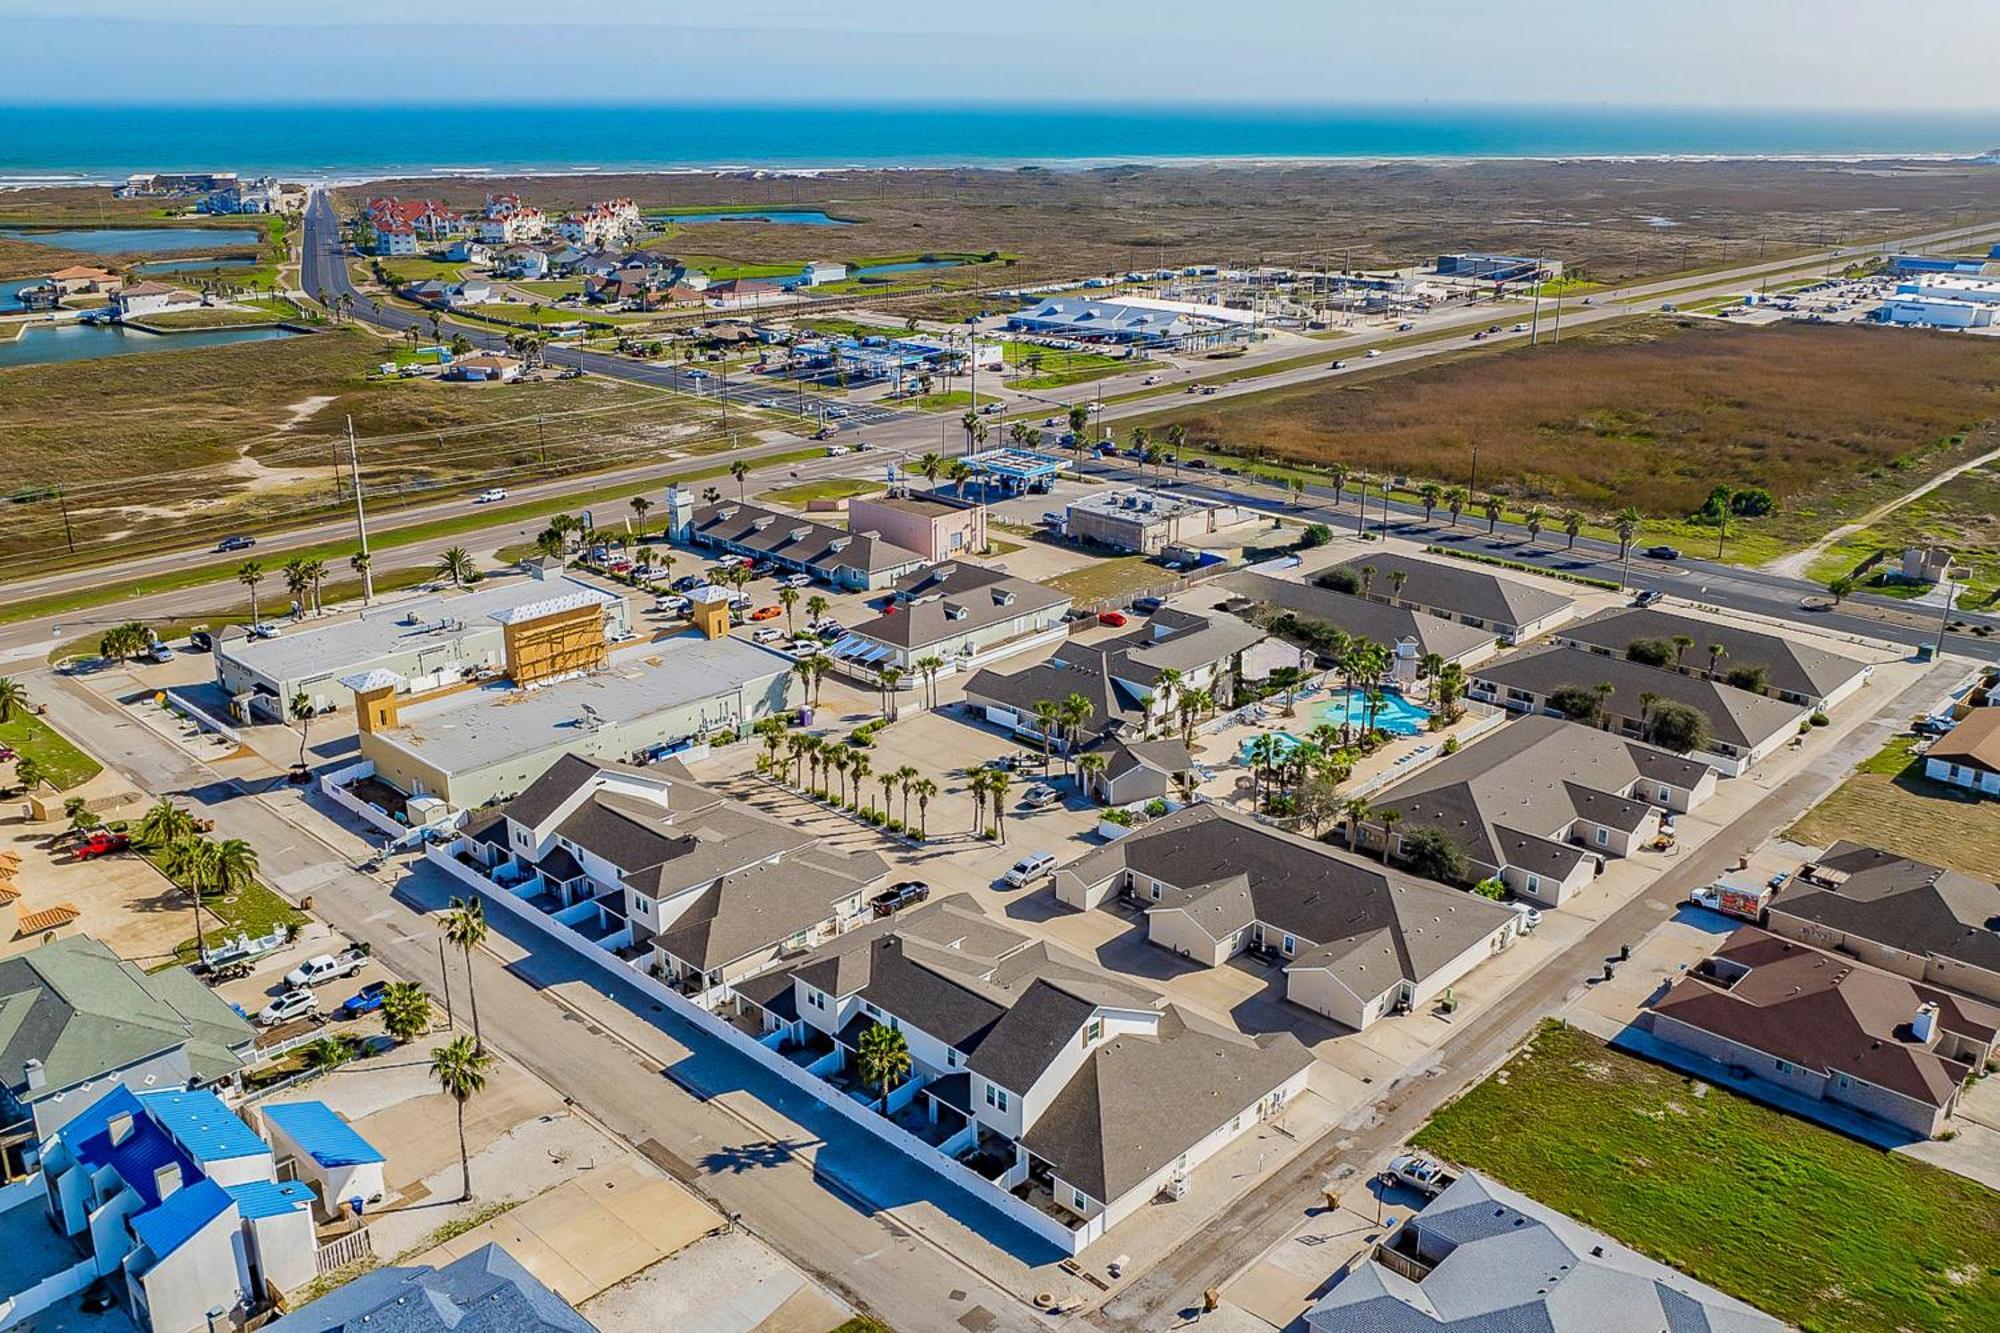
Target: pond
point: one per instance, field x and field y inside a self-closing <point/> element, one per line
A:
<point x="44" y="344"/>
<point x="794" y="217"/>
<point x="135" y="240"/>
<point x="192" y="265"/>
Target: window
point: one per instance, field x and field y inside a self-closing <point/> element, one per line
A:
<point x="1783" y="1066"/>
<point x="1666" y="794"/>
<point x="951" y="1058"/>
<point x="815" y="999"/>
<point x="996" y="1097"/>
<point x="1155" y="891"/>
<point x="1078" y="1200"/>
<point x="1603" y="837"/>
<point x="868" y="1007"/>
<point x="1093" y="1031"/>
<point x="1291" y="943"/>
<point x="1534" y="884"/>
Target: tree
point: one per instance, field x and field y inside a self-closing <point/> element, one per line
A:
<point x="302" y="712"/>
<point x="1626" y="524"/>
<point x="816" y="607"/>
<point x="1089" y="769"/>
<point x="930" y="666"/>
<point x="1652" y="652"/>
<point x="163" y="824"/>
<point x="1389" y="820"/>
<point x="1076" y="714"/>
<point x="28" y="774"/>
<point x="1079" y="420"/>
<point x="1716" y="652"/>
<point x="1839" y="586"/>
<point x="1572" y="521"/>
<point x="883" y="1056"/>
<point x="297" y="581"/>
<point x="457" y="565"/>
<point x="1533" y="520"/>
<point x="232" y="867"/>
<point x="1430" y="852"/>
<point x="1454" y="500"/>
<point x="464" y="925"/>
<point x="1430" y="493"/>
<point x="1048" y="713"/>
<point x="326" y="1054"/>
<point x="789" y="599"/>
<point x="1681" y="643"/>
<point x="1580" y="703"/>
<point x="315" y="572"/>
<point x="1755" y="679"/>
<point x="859" y="766"/>
<point x="1338" y="474"/>
<point x="1677" y="727"/>
<point x="13" y="695"/>
<point x="459" y="1066"/>
<point x="891" y="677"/>
<point x="741" y="471"/>
<point x="640" y="504"/>
<point x="1490" y="506"/>
<point x="364" y="564"/>
<point x="924" y="788"/>
<point x="406" y="1011"/>
<point x="250" y="574"/>
<point x="1357" y="812"/>
<point x="996" y="787"/>
<point x="123" y="642"/>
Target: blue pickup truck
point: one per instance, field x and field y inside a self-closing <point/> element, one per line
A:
<point x="364" y="1001"/>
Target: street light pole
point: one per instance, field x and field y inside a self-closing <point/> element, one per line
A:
<point x="360" y="514"/>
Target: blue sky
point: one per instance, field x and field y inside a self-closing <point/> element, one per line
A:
<point x="1852" y="54"/>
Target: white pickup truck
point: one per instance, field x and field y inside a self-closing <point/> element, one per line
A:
<point x="325" y="967"/>
<point x="1425" y="1175"/>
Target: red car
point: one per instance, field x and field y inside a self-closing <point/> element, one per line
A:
<point x="1115" y="619"/>
<point x="101" y="843"/>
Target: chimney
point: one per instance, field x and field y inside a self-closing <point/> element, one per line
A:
<point x="119" y="1127"/>
<point x="32" y="1071"/>
<point x="167" y="1179"/>
<point x="1924" y="1026"/>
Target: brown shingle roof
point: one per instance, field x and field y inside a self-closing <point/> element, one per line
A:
<point x="1973" y="743"/>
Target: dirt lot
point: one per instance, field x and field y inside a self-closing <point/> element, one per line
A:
<point x="1889" y="803"/>
<point x="1600" y="216"/>
<point x="1651" y="416"/>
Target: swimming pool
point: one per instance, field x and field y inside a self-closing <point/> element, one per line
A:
<point x="1395" y="714"/>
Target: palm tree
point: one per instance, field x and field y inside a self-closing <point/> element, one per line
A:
<point x="406" y="1011"/>
<point x="456" y="564"/>
<point x="1682" y="642"/>
<point x="464" y="924"/>
<point x="297" y="581"/>
<point x="929" y="466"/>
<point x="816" y="607"/>
<point x="888" y="780"/>
<point x="163" y="825"/>
<point x="891" y="677"/>
<point x="958" y="474"/>
<point x="1716" y="652"/>
<point x="977" y="785"/>
<point x="795" y="750"/>
<point x="1533" y="521"/>
<point x="1839" y="587"/>
<point x="459" y="1066"/>
<point x="13" y="695"/>
<point x="1626" y="524"/>
<point x="188" y="863"/>
<point x="28" y="774"/>
<point x="250" y="574"/>
<point x="1089" y="768"/>
<point x="315" y="571"/>
<point x="364" y="564"/>
<point x="1338" y="474"/>
<point x="1177" y="440"/>
<point x="905" y="776"/>
<point x="1490" y="506"/>
<point x="1079" y="420"/>
<point x="996" y="787"/>
<point x="1454" y="500"/>
<point x="1076" y="712"/>
<point x="233" y="867"/>
<point x="840" y="760"/>
<point x="1390" y="818"/>
<point x="1430" y="493"/>
<point x="1572" y="521"/>
<point x="1367" y="579"/>
<point x="741" y="471"/>
<point x="123" y="642"/>
<point x="302" y="711"/>
<point x="924" y="788"/>
<point x="930" y="666"/>
<point x="859" y="766"/>
<point x="789" y="599"/>
<point x="1047" y="714"/>
<point x="1357" y="812"/>
<point x="326" y="1054"/>
<point x="882" y="1056"/>
<point x="640" y="504"/>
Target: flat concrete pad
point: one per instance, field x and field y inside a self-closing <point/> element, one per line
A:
<point x="588" y="1234"/>
<point x="1275" y="1295"/>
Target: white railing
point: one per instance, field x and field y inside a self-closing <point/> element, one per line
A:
<point x="344" y="1250"/>
<point x="201" y="717"/>
<point x="895" y="1136"/>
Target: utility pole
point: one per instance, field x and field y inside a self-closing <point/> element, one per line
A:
<point x="1944" y="616"/>
<point x="1535" y="320"/>
<point x="69" y="536"/>
<point x="542" y="438"/>
<point x="360" y="514"/>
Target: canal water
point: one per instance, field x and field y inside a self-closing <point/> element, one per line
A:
<point x="45" y="344"/>
<point x="135" y="240"/>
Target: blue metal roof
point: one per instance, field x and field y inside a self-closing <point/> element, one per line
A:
<point x="167" y="1227"/>
<point x="321" y="1134"/>
<point x="270" y="1198"/>
<point x="203" y="1125"/>
<point x="137" y="1160"/>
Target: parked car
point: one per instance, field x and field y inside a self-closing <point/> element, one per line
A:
<point x="767" y="613"/>
<point x="731" y="561"/>
<point x="1664" y="552"/>
<point x="674" y="606"/>
<point x="325" y="967"/>
<point x="1422" y="1174"/>
<point x="202" y="641"/>
<point x="295" y="1003"/>
<point x="264" y="629"/>
<point x="1033" y="866"/>
<point x="235" y="542"/>
<point x="766" y="634"/>
<point x="364" y="1001"/>
<point x="1648" y="597"/>
<point x="796" y="581"/>
<point x="1148" y="605"/>
<point x="898" y="896"/>
<point x="1531" y="915"/>
<point x="491" y="495"/>
<point x="689" y="582"/>
<point x="158" y="652"/>
<point x="1115" y="619"/>
<point x="102" y="843"/>
<point x="1040" y="797"/>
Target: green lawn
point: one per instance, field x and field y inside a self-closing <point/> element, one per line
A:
<point x="957" y="400"/>
<point x="61" y="763"/>
<point x="412" y="268"/>
<point x="209" y="317"/>
<point x="1106" y="580"/>
<point x="254" y="911"/>
<point x="833" y="488"/>
<point x="1815" y="1228"/>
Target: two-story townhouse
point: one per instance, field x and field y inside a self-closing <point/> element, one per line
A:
<point x="839" y="556"/>
<point x="1513" y="609"/>
<point x="1542" y="803"/>
<point x="1761" y="662"/>
<point x="658" y="867"/>
<point x="1066" y="1086"/>
<point x="1358" y="941"/>
<point x="1410" y="635"/>
<point x="963" y="614"/>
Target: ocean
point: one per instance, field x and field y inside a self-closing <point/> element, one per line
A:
<point x="39" y="144"/>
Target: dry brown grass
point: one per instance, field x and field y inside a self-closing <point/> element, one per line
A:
<point x="1652" y="416"/>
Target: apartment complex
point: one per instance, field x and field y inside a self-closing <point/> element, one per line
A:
<point x="1763" y="663"/>
<point x="1481" y="598"/>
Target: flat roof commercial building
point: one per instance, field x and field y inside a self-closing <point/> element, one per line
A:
<point x="935" y="525"/>
<point x="1497" y="268"/>
<point x="1016" y="471"/>
<point x="473" y="746"/>
<point x="1511" y="608"/>
<point x="1357" y="941"/>
<point x="1743" y="728"/>
<point x="429" y="642"/>
<point x="1799" y="673"/>
<point x="1146" y="522"/>
<point x="1109" y="322"/>
<point x="1828" y="1028"/>
<point x="1542" y="803"/>
<point x="1935" y="312"/>
<point x="1920" y="921"/>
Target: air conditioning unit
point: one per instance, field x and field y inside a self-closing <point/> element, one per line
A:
<point x="1176" y="1188"/>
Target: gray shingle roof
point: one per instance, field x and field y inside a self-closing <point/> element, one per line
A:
<point x="1507" y="1264"/>
<point x="1798" y="668"/>
<point x="773" y="532"/>
<point x="487" y="1291"/>
<point x="951" y="610"/>
<point x="1735" y="717"/>
<point x="1905" y="904"/>
<point x="1461" y="588"/>
<point x="1533" y="777"/>
<point x="1360" y="616"/>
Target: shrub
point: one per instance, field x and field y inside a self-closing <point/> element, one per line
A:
<point x="1652" y="652"/>
<point x="1316" y="534"/>
<point x="1155" y="808"/>
<point x="1491" y="887"/>
<point x="1451" y="745"/>
<point x="1818" y="718"/>
<point x="1340" y="580"/>
<point x="1122" y="818"/>
<point x="1430" y="852"/>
